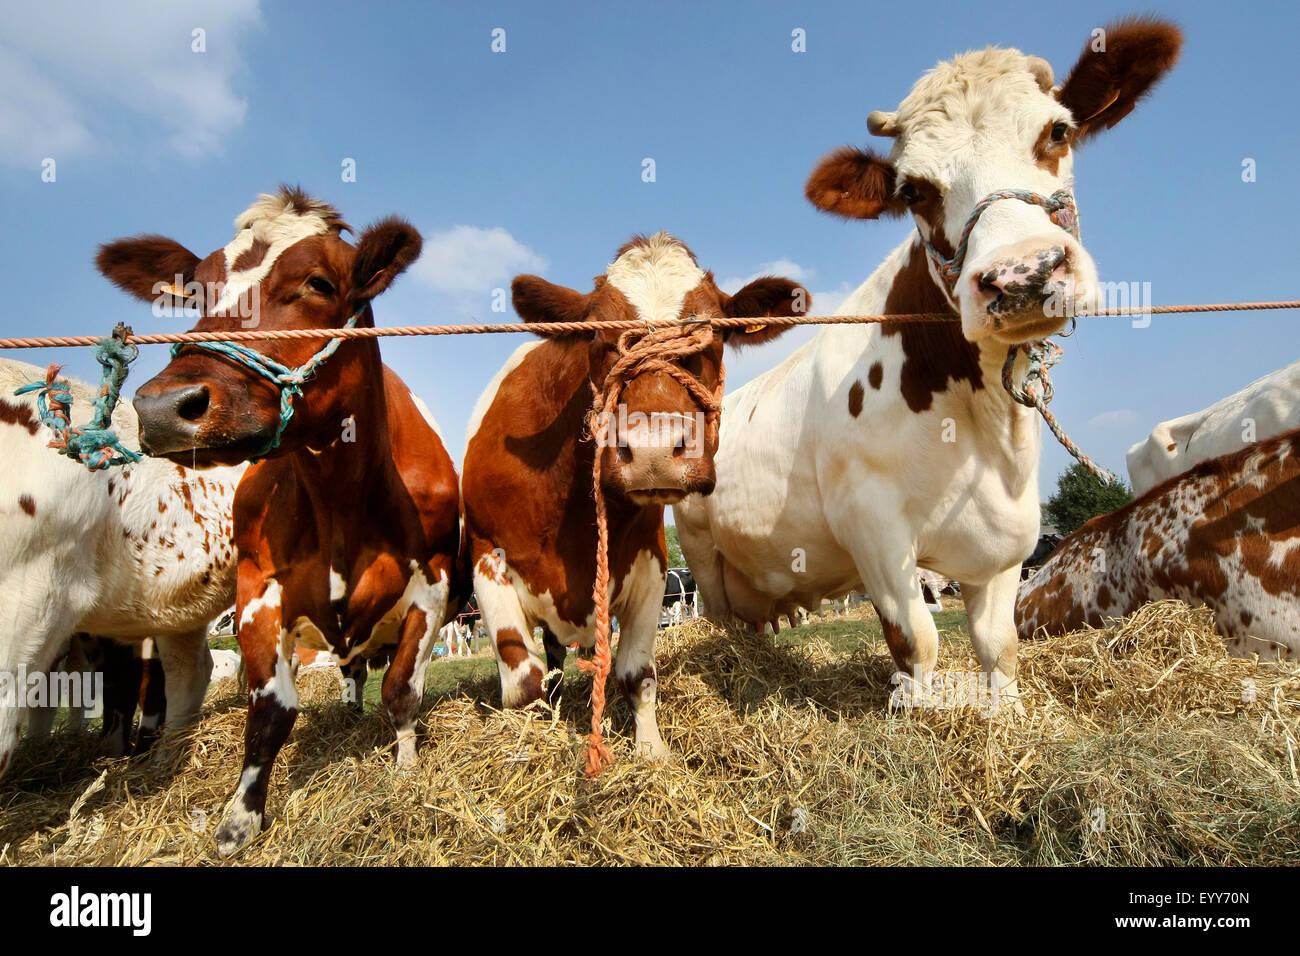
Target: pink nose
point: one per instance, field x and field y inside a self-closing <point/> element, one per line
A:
<point x="1019" y="284"/>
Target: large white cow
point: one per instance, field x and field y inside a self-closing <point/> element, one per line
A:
<point x="876" y="449"/>
<point x="130" y="553"/>
<point x="1266" y="407"/>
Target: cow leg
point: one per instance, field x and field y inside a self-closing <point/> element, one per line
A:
<point x="555" y="655"/>
<point x="272" y="710"/>
<point x="187" y="666"/>
<point x="635" y="666"/>
<point x="122" y="672"/>
<point x="152" y="695"/>
<point x="518" y="661"/>
<point x="908" y="626"/>
<point x="403" y="688"/>
<point x="990" y="610"/>
<point x="354" y="675"/>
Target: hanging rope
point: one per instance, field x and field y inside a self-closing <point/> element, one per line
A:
<point x="95" y="444"/>
<point x="657" y="350"/>
<point x="1036" y="390"/>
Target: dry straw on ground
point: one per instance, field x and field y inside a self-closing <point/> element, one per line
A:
<point x="1142" y="744"/>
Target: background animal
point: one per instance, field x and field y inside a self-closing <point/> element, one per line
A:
<point x="1225" y="534"/>
<point x="1266" y="407"/>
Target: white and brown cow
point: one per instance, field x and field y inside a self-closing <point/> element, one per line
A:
<point x="144" y="551"/>
<point x="1266" y="407"/>
<point x="348" y="529"/>
<point x="527" y="486"/>
<point x="878" y="449"/>
<point x="1226" y="535"/>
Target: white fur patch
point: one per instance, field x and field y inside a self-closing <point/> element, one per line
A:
<point x="655" y="277"/>
<point x="276" y="223"/>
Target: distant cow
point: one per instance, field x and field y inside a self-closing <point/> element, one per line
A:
<point x="1266" y="407"/>
<point x="347" y="529"/>
<point x="1226" y="534"/>
<point x="528" y="464"/>
<point x="680" y="593"/>
<point x="1047" y="543"/>
<point x="137" y="552"/>
<point x="877" y="449"/>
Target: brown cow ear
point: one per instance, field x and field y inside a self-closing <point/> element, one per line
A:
<point x="855" y="184"/>
<point x="537" y="300"/>
<point x="144" y="265"/>
<point x="1120" y="64"/>
<point x="384" y="251"/>
<point x="767" y="296"/>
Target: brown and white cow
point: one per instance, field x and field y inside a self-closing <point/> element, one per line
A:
<point x="527" y="486"/>
<point x="1225" y="534"/>
<point x="348" y="530"/>
<point x="878" y="449"/>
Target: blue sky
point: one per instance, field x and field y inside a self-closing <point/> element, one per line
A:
<point x="531" y="160"/>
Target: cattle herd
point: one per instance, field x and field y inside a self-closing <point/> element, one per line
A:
<point x="305" y="483"/>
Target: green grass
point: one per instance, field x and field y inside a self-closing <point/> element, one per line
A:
<point x="845" y="634"/>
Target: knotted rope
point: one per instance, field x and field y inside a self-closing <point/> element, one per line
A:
<point x="656" y="349"/>
<point x="96" y="444"/>
<point x="1036" y="390"/>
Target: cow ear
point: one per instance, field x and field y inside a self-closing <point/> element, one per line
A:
<point x="855" y="184"/>
<point x="537" y="300"/>
<point x="384" y="251"/>
<point x="768" y="296"/>
<point x="146" y="266"/>
<point x="1120" y="64"/>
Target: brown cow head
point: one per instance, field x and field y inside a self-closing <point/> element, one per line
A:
<point x="992" y="121"/>
<point x="660" y="441"/>
<point x="286" y="268"/>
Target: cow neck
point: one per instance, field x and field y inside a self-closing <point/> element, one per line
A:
<point x="935" y="354"/>
<point x="350" y="468"/>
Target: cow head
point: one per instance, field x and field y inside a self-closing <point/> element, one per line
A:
<point x="658" y="444"/>
<point x="989" y="122"/>
<point x="286" y="268"/>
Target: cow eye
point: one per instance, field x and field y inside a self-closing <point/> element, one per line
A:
<point x="909" y="193"/>
<point x="1059" y="132"/>
<point x="321" y="285"/>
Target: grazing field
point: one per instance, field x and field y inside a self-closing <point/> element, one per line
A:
<point x="1141" y="744"/>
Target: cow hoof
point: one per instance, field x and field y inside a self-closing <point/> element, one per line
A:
<point x="240" y="826"/>
<point x="651" y="750"/>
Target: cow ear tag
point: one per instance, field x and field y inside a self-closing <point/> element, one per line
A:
<point x="755" y="328"/>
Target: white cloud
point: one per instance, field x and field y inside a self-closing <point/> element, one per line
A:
<point x="824" y="302"/>
<point x="68" y="70"/>
<point x="1115" y="419"/>
<point x="469" y="262"/>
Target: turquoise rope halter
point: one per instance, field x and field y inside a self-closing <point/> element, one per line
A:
<point x="288" y="380"/>
<point x="94" y="444"/>
<point x="1060" y="209"/>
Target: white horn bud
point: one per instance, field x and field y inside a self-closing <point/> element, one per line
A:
<point x="880" y="123"/>
<point x="1042" y="71"/>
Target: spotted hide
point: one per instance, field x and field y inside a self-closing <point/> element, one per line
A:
<point x="1226" y="535"/>
<point x="130" y="553"/>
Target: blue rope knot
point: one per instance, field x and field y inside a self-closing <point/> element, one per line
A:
<point x="287" y="379"/>
<point x="96" y="444"/>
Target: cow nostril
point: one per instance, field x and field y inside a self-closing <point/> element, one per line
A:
<point x="989" y="283"/>
<point x="193" y="404"/>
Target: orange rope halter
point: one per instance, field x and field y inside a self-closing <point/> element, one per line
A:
<point x="639" y="352"/>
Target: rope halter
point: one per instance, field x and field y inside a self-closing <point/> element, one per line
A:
<point x="1060" y="209"/>
<point x="639" y="351"/>
<point x="289" y="380"/>
<point x="95" y="443"/>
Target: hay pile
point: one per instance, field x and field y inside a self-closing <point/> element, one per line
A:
<point x="1143" y="744"/>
